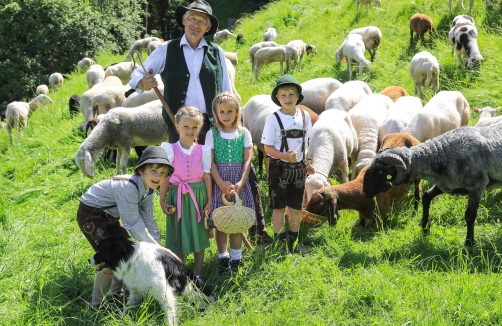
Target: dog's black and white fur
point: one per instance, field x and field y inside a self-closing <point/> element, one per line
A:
<point x="145" y="268"/>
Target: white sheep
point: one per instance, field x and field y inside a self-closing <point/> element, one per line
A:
<point x="316" y="91"/>
<point x="56" y="80"/>
<point x="85" y="63"/>
<point x="134" y="99"/>
<point x="270" y="34"/>
<point x="140" y="46"/>
<point x="221" y="36"/>
<point x="122" y="70"/>
<point x="108" y="98"/>
<point x="424" y="70"/>
<point x="268" y="55"/>
<point x="231" y="78"/>
<point x="360" y="3"/>
<point x="95" y="75"/>
<point x="232" y="56"/>
<point x="352" y="50"/>
<point x="463" y="39"/>
<point x="16" y="114"/>
<point x="348" y="95"/>
<point x="487" y="116"/>
<point x="42" y="89"/>
<point x="334" y="140"/>
<point x="400" y="115"/>
<point x="121" y="129"/>
<point x="256" y="47"/>
<point x="297" y="49"/>
<point x="447" y="110"/>
<point x="372" y="36"/>
<point x="367" y="116"/>
<point x="254" y="115"/>
<point x="152" y="46"/>
<point x="86" y="98"/>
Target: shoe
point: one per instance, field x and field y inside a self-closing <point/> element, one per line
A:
<point x="259" y="235"/>
<point x="235" y="265"/>
<point x="224" y="266"/>
<point x="298" y="248"/>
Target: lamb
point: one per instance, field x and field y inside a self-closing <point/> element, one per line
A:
<point x="424" y="70"/>
<point x="232" y="56"/>
<point x="360" y="3"/>
<point x="311" y="49"/>
<point x="463" y="38"/>
<point x="394" y="92"/>
<point x="42" y="89"/>
<point x="95" y="75"/>
<point x="348" y="95"/>
<point x="372" y="36"/>
<point x="400" y="115"/>
<point x="223" y="35"/>
<point x="334" y="140"/>
<point x="122" y="128"/>
<point x="16" y="113"/>
<point x="316" y="92"/>
<point x="108" y="98"/>
<point x="367" y="116"/>
<point x="445" y="111"/>
<point x="462" y="161"/>
<point x="297" y="48"/>
<point x="85" y="63"/>
<point x="269" y="55"/>
<point x="420" y="24"/>
<point x="140" y="46"/>
<point x="487" y="116"/>
<point x="255" y="48"/>
<point x="461" y="2"/>
<point x="56" y="80"/>
<point x="74" y="104"/>
<point x="122" y="70"/>
<point x="152" y="46"/>
<point x="328" y="201"/>
<point x="270" y="35"/>
<point x="353" y="50"/>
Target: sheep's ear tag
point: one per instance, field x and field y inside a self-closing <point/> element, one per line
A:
<point x="389" y="177"/>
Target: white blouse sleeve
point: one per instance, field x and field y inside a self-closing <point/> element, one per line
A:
<point x="248" y="141"/>
<point x="206" y="158"/>
<point x="169" y="151"/>
<point x="209" y="139"/>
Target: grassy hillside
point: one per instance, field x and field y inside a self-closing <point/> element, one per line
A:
<point x="352" y="276"/>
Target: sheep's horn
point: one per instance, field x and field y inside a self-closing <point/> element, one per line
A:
<point x="398" y="163"/>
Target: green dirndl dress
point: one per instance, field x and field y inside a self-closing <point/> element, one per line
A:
<point x="186" y="235"/>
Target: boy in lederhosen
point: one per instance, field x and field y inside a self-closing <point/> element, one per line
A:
<point x="285" y="137"/>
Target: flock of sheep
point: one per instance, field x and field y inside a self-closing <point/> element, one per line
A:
<point x="351" y="123"/>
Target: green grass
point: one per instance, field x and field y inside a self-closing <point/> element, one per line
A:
<point x="391" y="275"/>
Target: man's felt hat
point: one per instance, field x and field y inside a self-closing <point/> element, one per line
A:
<point x="153" y="155"/>
<point x="200" y="6"/>
<point x="284" y="80"/>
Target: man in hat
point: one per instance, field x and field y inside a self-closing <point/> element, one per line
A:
<point x="194" y="72"/>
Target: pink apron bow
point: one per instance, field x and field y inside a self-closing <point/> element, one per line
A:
<point x="183" y="188"/>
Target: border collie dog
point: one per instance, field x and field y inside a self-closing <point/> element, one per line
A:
<point x="145" y="268"/>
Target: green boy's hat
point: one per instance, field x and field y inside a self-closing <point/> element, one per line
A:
<point x="153" y="155"/>
<point x="286" y="79"/>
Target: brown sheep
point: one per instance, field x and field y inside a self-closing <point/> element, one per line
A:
<point x="327" y="201"/>
<point x="420" y="23"/>
<point x="394" y="92"/>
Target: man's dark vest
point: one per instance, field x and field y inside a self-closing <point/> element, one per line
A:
<point x="176" y="76"/>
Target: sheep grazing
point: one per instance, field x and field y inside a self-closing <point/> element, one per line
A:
<point x="42" y="89"/>
<point x="311" y="49"/>
<point x="352" y="50"/>
<point x="372" y="36"/>
<point x="334" y="140"/>
<point x="140" y="46"/>
<point x="461" y="2"/>
<point x="463" y="38"/>
<point x="329" y="200"/>
<point x="270" y="35"/>
<point x="367" y="116"/>
<point x="91" y="124"/>
<point x="316" y="91"/>
<point x="463" y="161"/>
<point x="445" y="111"/>
<point x="394" y="92"/>
<point x="420" y="24"/>
<point x="348" y="95"/>
<point x="487" y="116"/>
<point x="360" y="3"/>
<point x="56" y="80"/>
<point x="400" y="115"/>
<point x="16" y="114"/>
<point x="232" y="56"/>
<point x="152" y="46"/>
<point x="85" y="63"/>
<point x="74" y="104"/>
<point x="269" y="55"/>
<point x="297" y="49"/>
<point x="95" y="75"/>
<point x="424" y="70"/>
<point x="122" y="128"/>
<point x="240" y="39"/>
<point x="122" y="70"/>
<point x="108" y="98"/>
<point x="255" y="48"/>
<point x="221" y="36"/>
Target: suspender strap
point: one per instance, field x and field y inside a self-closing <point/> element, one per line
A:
<point x="125" y="179"/>
<point x="284" y="142"/>
<point x="304" y="132"/>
